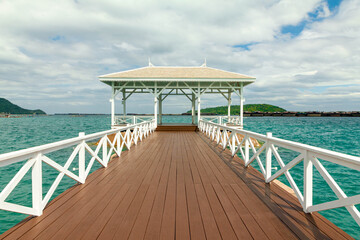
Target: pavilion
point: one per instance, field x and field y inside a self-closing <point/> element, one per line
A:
<point x="192" y="82"/>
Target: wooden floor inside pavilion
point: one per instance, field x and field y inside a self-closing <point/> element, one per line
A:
<point x="176" y="184"/>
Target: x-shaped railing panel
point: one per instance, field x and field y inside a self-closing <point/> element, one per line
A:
<point x="309" y="155"/>
<point x="34" y="157"/>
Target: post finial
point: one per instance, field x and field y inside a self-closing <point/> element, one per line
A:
<point x="204" y="65"/>
<point x="150" y="64"/>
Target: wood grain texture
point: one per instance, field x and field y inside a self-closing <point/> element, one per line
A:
<point x="175" y="185"/>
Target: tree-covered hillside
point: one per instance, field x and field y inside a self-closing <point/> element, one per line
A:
<point x="235" y="109"/>
<point x="7" y="107"/>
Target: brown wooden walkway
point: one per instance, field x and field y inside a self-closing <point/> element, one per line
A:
<point x="175" y="185"/>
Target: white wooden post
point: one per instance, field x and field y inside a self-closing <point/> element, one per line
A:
<point x="124" y="103"/>
<point x="242" y="99"/>
<point x="247" y="146"/>
<point x="229" y="104"/>
<point x="112" y="101"/>
<point x="193" y="108"/>
<point x="308" y="182"/>
<point x="36" y="175"/>
<point x="155" y="109"/>
<point x="104" y="151"/>
<point x="233" y="144"/>
<point x="118" y="145"/>
<point x="160" y="109"/>
<point x="198" y="108"/>
<point x="82" y="159"/>
<point x="268" y="158"/>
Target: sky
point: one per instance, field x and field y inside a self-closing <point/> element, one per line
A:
<point x="305" y="54"/>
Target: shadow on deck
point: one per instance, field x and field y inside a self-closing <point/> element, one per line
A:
<point x="176" y="184"/>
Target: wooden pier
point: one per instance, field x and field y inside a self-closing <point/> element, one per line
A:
<point x="175" y="185"/>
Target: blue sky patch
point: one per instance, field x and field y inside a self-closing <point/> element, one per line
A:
<point x="245" y="46"/>
<point x="57" y="38"/>
<point x="295" y="30"/>
<point x="333" y="4"/>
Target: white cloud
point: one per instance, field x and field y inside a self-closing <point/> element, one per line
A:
<point x="52" y="52"/>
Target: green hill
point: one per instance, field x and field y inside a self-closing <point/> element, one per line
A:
<point x="7" y="107"/>
<point x="235" y="109"/>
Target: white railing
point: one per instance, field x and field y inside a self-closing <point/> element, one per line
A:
<point x="241" y="141"/>
<point x="125" y="120"/>
<point x="35" y="156"/>
<point x="224" y="120"/>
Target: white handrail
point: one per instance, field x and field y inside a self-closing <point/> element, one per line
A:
<point x="125" y="120"/>
<point x="229" y="137"/>
<point x="223" y="120"/>
<point x="36" y="155"/>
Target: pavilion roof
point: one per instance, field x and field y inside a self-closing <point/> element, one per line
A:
<point x="154" y="73"/>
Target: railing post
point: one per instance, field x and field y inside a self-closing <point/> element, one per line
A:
<point x="233" y="144"/>
<point x="128" y="138"/>
<point x="224" y="138"/>
<point x="118" y="143"/>
<point x="134" y="119"/>
<point x="246" y="153"/>
<point x="268" y="157"/>
<point x="37" y="185"/>
<point x="135" y="135"/>
<point x="82" y="159"/>
<point x="104" y="150"/>
<point x="308" y="182"/>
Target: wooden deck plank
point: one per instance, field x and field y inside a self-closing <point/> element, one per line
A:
<point x="96" y="222"/>
<point x="210" y="228"/>
<point x="234" y="218"/>
<point x="141" y="222"/>
<point x="80" y="197"/>
<point x="176" y="185"/>
<point x="283" y="204"/>
<point x="134" y="212"/>
<point x="208" y="179"/>
<point x="269" y="228"/>
<point x="182" y="219"/>
<point x="301" y="233"/>
<point x="167" y="219"/>
<point x="195" y="222"/>
<point x="133" y="198"/>
<point x="63" y="200"/>
<point x="72" y="216"/>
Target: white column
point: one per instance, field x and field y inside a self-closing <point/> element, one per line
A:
<point x="198" y="108"/>
<point x="37" y="190"/>
<point x="268" y="158"/>
<point x="160" y="109"/>
<point x="155" y="109"/>
<point x="241" y="106"/>
<point x="308" y="182"/>
<point x="124" y="103"/>
<point x="193" y="108"/>
<point x="112" y="101"/>
<point x="82" y="168"/>
<point x="229" y="103"/>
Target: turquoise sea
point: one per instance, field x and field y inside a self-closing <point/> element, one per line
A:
<point x="338" y="134"/>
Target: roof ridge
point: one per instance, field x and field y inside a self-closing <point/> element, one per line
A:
<point x="129" y="70"/>
<point x="177" y="72"/>
<point x="231" y="72"/>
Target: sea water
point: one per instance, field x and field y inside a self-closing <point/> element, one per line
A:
<point x="338" y="134"/>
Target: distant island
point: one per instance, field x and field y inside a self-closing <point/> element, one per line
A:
<point x="267" y="110"/>
<point x="235" y="109"/>
<point x="6" y="107"/>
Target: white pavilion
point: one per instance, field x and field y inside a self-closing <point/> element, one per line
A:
<point x="192" y="82"/>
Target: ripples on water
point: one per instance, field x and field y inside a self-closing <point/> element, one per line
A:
<point x="337" y="134"/>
